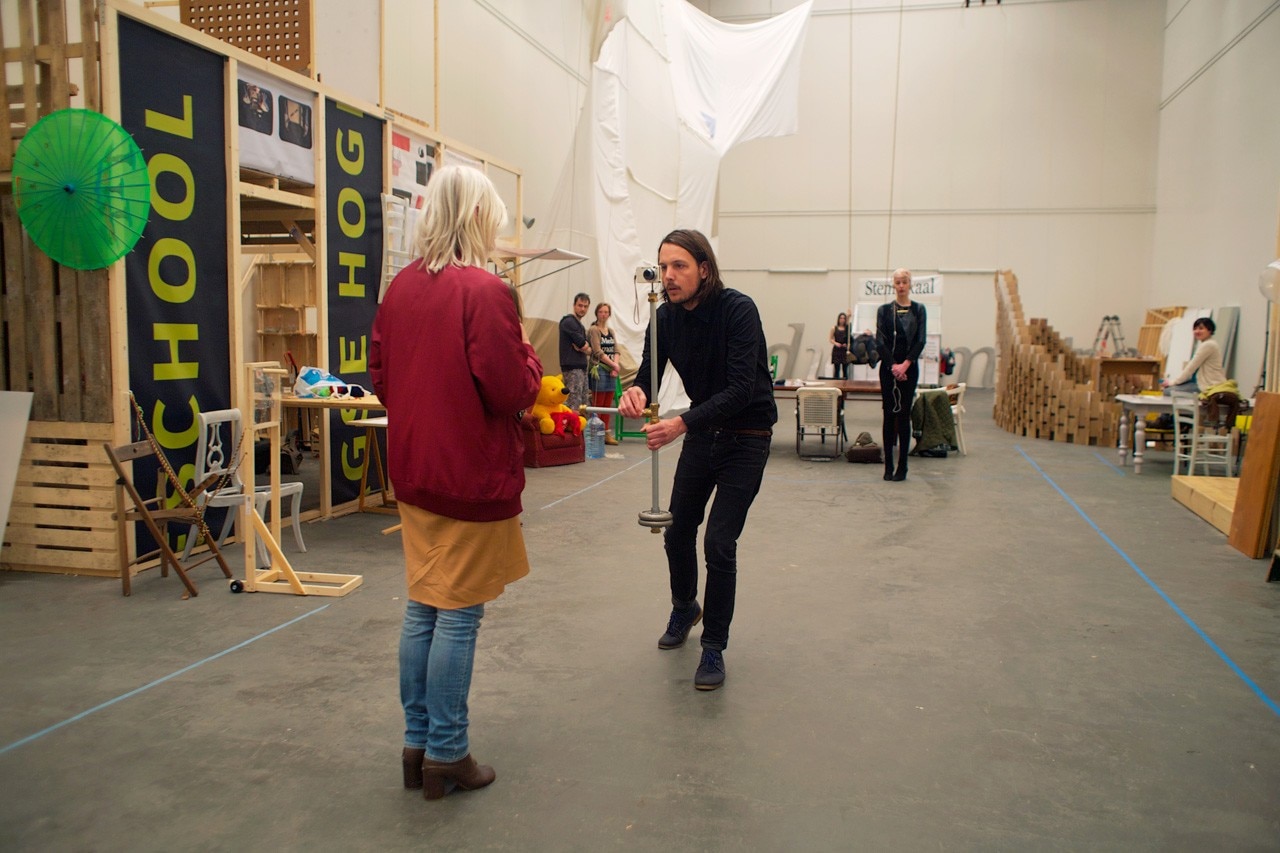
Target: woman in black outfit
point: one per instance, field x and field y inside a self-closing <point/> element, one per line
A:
<point x="839" y="339"/>
<point x="900" y="328"/>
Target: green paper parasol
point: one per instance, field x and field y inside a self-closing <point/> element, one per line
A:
<point x="81" y="187"/>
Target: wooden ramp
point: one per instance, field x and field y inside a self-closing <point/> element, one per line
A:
<point x="1211" y="498"/>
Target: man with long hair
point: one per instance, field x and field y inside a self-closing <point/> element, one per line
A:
<point x="712" y="336"/>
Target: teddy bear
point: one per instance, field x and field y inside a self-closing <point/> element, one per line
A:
<point x="550" y="413"/>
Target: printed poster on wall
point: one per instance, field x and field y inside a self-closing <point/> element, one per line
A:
<point x="413" y="160"/>
<point x="172" y="101"/>
<point x="275" y="126"/>
<point x="353" y="258"/>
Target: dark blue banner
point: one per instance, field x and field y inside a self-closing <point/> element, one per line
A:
<point x="353" y="258"/>
<point x="172" y="101"/>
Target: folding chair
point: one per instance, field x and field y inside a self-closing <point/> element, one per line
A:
<point x="153" y="514"/>
<point x="820" y="409"/>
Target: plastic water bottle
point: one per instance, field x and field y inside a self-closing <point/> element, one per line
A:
<point x="595" y="437"/>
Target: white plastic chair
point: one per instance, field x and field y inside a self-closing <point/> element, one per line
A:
<point x="819" y="409"/>
<point x="957" y="414"/>
<point x="1192" y="444"/>
<point x="219" y="439"/>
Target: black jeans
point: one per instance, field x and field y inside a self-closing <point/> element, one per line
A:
<point x="896" y="397"/>
<point x="731" y="464"/>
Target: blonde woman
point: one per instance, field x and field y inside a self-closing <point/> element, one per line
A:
<point x="900" y="338"/>
<point x="458" y="489"/>
<point x="603" y="373"/>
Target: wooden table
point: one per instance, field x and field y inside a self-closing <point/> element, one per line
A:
<point x="850" y="389"/>
<point x="367" y="403"/>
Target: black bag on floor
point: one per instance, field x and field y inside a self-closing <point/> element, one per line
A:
<point x="864" y="450"/>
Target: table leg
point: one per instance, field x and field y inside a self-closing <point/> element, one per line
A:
<point x="369" y="439"/>
<point x="1124" y="439"/>
<point x="1139" y="442"/>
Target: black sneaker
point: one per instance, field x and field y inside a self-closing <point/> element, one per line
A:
<point x="679" y="626"/>
<point x="710" y="674"/>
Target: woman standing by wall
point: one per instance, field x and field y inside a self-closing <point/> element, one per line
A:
<point x="458" y="489"/>
<point x="839" y="339"/>
<point x="900" y="328"/>
<point x="603" y="373"/>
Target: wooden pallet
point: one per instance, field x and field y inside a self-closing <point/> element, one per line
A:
<point x="40" y="67"/>
<point x="62" y="516"/>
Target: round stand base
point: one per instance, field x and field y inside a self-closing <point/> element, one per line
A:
<point x="655" y="518"/>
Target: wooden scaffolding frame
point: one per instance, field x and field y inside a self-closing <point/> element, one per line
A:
<point x="59" y="347"/>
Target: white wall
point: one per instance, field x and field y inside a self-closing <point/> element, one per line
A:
<point x="1219" y="164"/>
<point x="513" y="74"/>
<point x="1025" y="139"/>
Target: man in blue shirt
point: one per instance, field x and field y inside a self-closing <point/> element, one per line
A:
<point x="712" y="336"/>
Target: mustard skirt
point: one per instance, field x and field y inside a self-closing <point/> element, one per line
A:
<point x="452" y="564"/>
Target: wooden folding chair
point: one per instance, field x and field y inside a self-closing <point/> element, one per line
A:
<point x="157" y="518"/>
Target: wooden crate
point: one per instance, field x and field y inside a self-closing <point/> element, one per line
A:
<point x="62" y="518"/>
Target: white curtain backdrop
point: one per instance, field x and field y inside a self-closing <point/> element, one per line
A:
<point x="671" y="92"/>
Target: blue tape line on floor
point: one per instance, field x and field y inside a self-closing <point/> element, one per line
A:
<point x="597" y="483"/>
<point x="1252" y="685"/>
<point x="1106" y="462"/>
<point x="29" y="738"/>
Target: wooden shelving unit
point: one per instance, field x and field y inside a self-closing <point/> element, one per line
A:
<point x="288" y="309"/>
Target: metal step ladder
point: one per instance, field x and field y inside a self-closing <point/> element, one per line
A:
<point x="1110" y="328"/>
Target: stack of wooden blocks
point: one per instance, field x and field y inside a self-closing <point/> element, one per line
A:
<point x="1043" y="389"/>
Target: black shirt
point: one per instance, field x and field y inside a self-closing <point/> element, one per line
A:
<point x="572" y="336"/>
<point x="719" y="351"/>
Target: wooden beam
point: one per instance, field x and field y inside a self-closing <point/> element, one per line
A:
<point x="27" y="57"/>
<point x="92" y="66"/>
<point x="301" y="238"/>
<point x="54" y="32"/>
<point x="6" y="120"/>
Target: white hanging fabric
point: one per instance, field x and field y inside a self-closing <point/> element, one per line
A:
<point x="720" y="84"/>
<point x="735" y="82"/>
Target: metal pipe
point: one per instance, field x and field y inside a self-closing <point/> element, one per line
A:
<point x="656" y="517"/>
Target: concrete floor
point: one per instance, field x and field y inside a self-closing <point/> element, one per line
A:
<point x="1022" y="649"/>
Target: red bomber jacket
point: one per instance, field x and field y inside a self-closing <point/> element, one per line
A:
<point x="448" y="362"/>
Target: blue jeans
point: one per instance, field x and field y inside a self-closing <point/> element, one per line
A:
<point x="437" y="650"/>
<point x="731" y="464"/>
